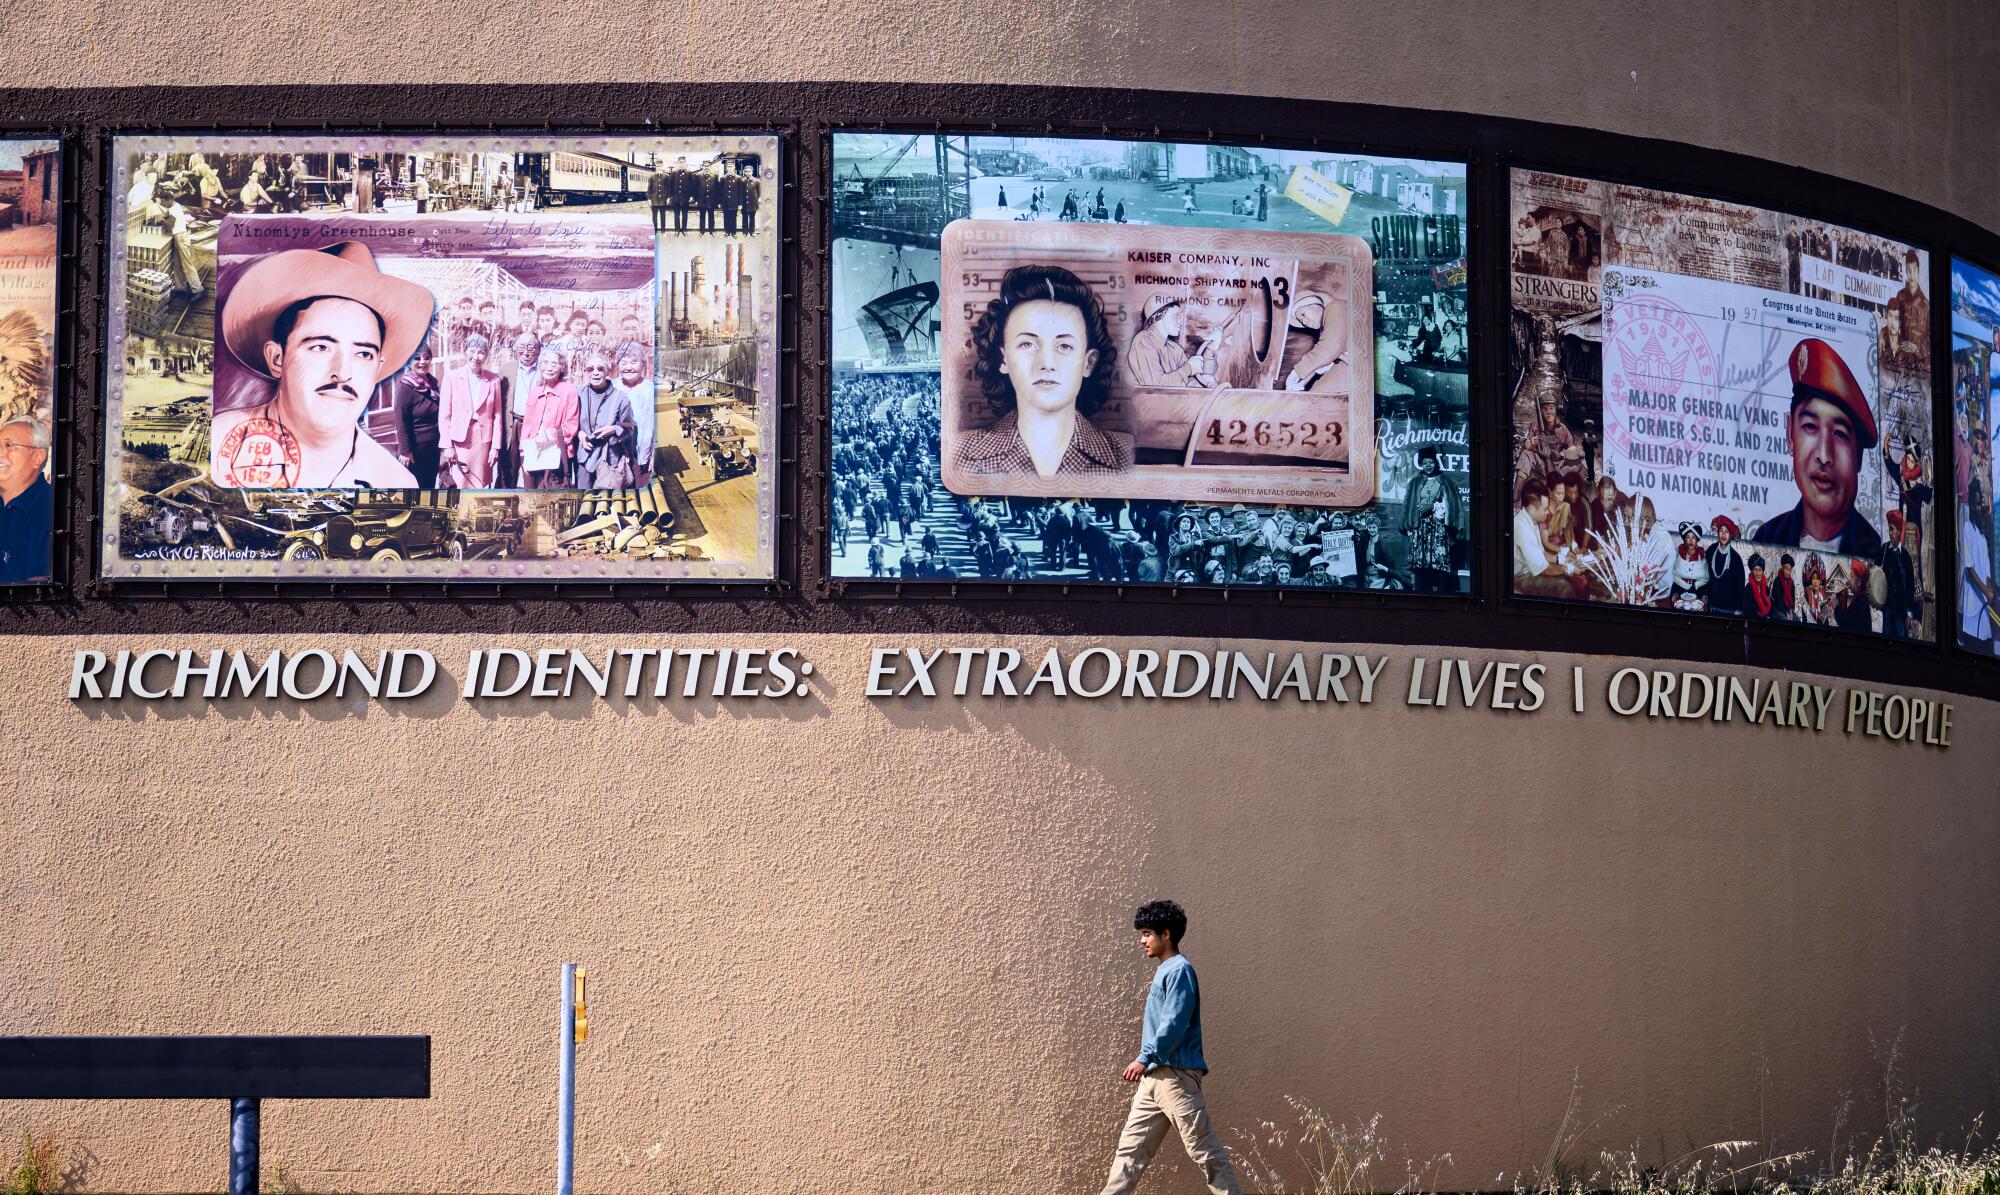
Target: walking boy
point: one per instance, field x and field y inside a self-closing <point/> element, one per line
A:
<point x="1170" y="1066"/>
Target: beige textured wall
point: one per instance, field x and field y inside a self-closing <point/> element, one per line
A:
<point x="842" y="944"/>
<point x="1897" y="93"/>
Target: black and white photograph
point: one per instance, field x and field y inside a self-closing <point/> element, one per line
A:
<point x="892" y="516"/>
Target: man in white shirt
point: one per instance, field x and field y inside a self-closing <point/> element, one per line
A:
<point x="1535" y="575"/>
<point x="323" y="326"/>
<point x="1977" y="597"/>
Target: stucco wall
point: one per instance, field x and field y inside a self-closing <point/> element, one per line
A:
<point x="843" y="944"/>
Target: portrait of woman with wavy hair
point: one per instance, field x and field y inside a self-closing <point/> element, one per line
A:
<point x="1044" y="361"/>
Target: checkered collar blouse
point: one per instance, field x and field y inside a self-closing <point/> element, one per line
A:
<point x="1092" y="451"/>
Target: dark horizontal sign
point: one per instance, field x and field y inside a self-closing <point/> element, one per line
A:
<point x="165" y="1068"/>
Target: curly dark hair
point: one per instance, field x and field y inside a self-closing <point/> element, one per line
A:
<point x="1162" y="916"/>
<point x="1024" y="284"/>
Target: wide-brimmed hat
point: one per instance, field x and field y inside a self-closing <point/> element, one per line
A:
<point x="343" y="271"/>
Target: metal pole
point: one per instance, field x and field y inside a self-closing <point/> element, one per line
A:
<point x="566" y="1097"/>
<point x="243" y="1137"/>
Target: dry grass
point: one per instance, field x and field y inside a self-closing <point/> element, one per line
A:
<point x="1312" y="1154"/>
<point x="1315" y="1155"/>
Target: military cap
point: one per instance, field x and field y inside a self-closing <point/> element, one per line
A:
<point x="1818" y="372"/>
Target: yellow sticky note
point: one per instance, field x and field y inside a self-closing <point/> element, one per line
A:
<point x="1312" y="190"/>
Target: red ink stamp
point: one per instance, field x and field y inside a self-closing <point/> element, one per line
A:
<point x="262" y="454"/>
<point x="1660" y="378"/>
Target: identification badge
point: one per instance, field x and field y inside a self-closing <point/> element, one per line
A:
<point x="1240" y="363"/>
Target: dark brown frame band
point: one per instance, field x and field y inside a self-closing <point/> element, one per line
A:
<point x="804" y="598"/>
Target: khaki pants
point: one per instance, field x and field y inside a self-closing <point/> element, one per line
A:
<point x="1169" y="1096"/>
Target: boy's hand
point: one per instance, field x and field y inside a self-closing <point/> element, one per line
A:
<point x="1135" y="1071"/>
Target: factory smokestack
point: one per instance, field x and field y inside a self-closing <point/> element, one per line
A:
<point x="745" y="320"/>
<point x="728" y="308"/>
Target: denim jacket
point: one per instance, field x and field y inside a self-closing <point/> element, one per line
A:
<point x="1172" y="1035"/>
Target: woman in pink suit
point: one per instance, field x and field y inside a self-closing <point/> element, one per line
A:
<point x="469" y="421"/>
<point x="548" y="431"/>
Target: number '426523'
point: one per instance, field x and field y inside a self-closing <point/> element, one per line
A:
<point x="1272" y="433"/>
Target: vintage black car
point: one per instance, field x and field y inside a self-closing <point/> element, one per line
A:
<point x="394" y="527"/>
<point x="323" y="524"/>
<point x="199" y="511"/>
<point x="384" y="530"/>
